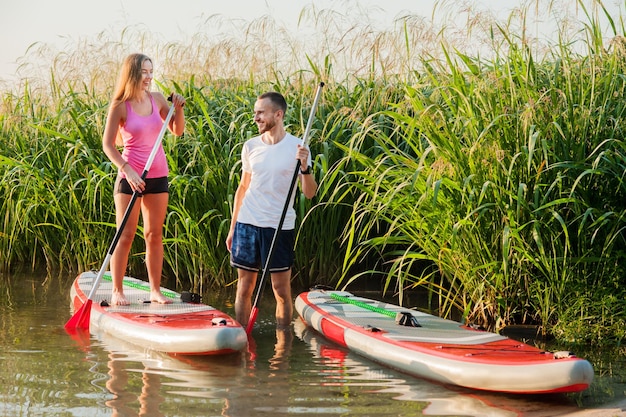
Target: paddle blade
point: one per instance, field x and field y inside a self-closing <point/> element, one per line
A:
<point x="253" y="315"/>
<point x="80" y="319"/>
<point x="81" y="337"/>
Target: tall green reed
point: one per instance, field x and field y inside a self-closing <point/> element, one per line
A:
<point x="48" y="180"/>
<point x="499" y="189"/>
<point x="494" y="182"/>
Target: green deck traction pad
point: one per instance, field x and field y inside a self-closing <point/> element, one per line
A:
<point x="138" y="286"/>
<point x="361" y="304"/>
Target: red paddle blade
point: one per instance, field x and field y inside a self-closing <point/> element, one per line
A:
<point x="252" y="319"/>
<point x="81" y="337"/>
<point x="80" y="319"/>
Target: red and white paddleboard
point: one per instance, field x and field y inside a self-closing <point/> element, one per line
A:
<point x="440" y="350"/>
<point x="178" y="328"/>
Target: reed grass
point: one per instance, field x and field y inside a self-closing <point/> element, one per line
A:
<point x="491" y="189"/>
<point x="489" y="171"/>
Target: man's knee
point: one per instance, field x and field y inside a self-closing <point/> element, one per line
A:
<point x="246" y="281"/>
<point x="282" y="292"/>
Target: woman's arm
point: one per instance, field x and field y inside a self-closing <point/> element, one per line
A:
<point x="117" y="113"/>
<point x="177" y="123"/>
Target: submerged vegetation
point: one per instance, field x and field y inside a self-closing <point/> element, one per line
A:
<point x="490" y="175"/>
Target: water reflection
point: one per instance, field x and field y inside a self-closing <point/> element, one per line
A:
<point x="282" y="349"/>
<point x="149" y="399"/>
<point x="270" y="379"/>
<point x="288" y="372"/>
<point x="236" y="385"/>
<point x="146" y="383"/>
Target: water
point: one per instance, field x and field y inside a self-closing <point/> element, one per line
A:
<point x="45" y="372"/>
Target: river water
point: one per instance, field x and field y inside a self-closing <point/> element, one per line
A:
<point x="296" y="372"/>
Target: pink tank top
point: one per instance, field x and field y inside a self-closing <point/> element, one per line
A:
<point x="139" y="134"/>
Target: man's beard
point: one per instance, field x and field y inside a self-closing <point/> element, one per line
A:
<point x="269" y="125"/>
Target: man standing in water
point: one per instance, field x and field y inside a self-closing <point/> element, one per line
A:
<point x="268" y="163"/>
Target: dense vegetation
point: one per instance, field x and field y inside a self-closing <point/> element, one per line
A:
<point x="495" y="183"/>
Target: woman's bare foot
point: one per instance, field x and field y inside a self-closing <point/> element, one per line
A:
<point x="157" y="297"/>
<point x="118" y="299"/>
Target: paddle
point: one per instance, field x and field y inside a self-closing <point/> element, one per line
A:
<point x="255" y="309"/>
<point x="80" y="319"/>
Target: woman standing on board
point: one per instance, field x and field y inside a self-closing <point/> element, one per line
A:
<point x="135" y="118"/>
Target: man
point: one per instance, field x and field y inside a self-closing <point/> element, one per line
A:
<point x="268" y="164"/>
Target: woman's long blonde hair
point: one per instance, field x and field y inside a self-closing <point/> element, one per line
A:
<point x="129" y="82"/>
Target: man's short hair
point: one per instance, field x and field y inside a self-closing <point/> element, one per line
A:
<point x="277" y="100"/>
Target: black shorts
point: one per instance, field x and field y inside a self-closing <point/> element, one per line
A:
<point x="153" y="186"/>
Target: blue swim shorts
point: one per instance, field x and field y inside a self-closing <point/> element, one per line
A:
<point x="251" y="246"/>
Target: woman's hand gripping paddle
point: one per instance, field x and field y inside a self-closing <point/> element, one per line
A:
<point x="80" y="319"/>
<point x="255" y="309"/>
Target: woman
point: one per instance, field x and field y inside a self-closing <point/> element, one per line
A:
<point x="135" y="118"/>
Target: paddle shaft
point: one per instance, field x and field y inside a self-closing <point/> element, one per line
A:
<point x="305" y="140"/>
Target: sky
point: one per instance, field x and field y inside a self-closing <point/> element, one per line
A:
<point x="61" y="22"/>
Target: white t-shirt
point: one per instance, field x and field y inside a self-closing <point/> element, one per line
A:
<point x="272" y="168"/>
